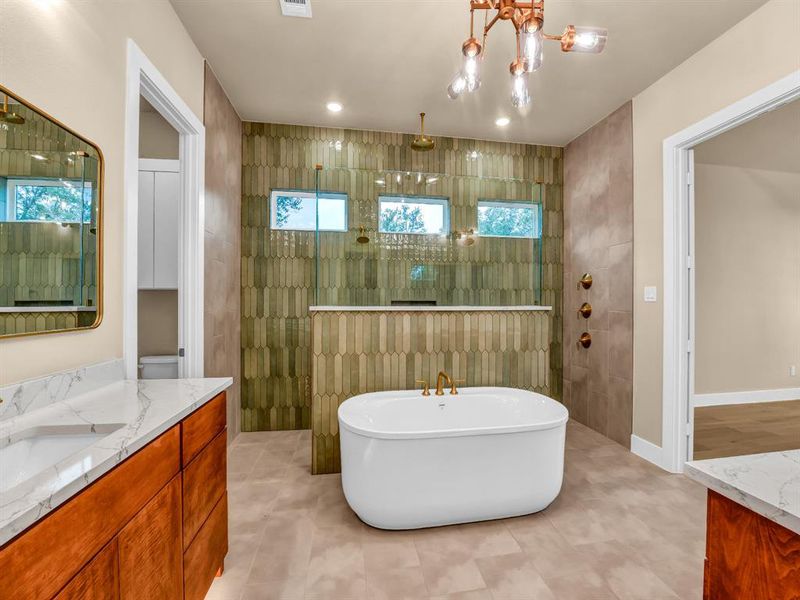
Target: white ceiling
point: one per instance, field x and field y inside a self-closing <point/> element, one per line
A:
<point x="387" y="60"/>
<point x="770" y="142"/>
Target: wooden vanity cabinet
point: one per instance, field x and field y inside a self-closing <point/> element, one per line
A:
<point x="124" y="536"/>
<point x="748" y="557"/>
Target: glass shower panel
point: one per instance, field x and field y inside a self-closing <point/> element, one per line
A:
<point x="90" y="184"/>
<point x="413" y="238"/>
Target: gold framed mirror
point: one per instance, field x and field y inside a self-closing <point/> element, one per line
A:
<point x="51" y="215"/>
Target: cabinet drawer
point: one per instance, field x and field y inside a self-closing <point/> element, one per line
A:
<point x="202" y="426"/>
<point x="204" y="482"/>
<point x="46" y="557"/>
<point x="206" y="554"/>
<point x="99" y="580"/>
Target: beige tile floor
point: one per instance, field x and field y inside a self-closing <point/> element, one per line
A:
<point x="621" y="529"/>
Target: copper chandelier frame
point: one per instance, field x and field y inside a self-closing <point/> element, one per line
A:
<point x="528" y="21"/>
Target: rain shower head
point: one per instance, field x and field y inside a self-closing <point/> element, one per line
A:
<point x="422" y="143"/>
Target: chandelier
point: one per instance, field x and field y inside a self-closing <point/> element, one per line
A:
<point x="528" y="21"/>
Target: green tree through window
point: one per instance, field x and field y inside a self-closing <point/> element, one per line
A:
<point x="54" y="203"/>
<point x="284" y="207"/>
<point x="508" y="221"/>
<point x="403" y="219"/>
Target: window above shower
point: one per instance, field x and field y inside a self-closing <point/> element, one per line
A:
<point x="48" y="201"/>
<point x="509" y="219"/>
<point x="413" y="214"/>
<point x="296" y="210"/>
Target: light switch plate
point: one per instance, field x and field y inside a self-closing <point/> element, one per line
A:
<point x="650" y="293"/>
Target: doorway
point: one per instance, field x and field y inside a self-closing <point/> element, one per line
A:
<point x="159" y="331"/>
<point x="679" y="262"/>
<point x="177" y="284"/>
<point x="746" y="310"/>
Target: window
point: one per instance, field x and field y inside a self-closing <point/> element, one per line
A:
<point x="413" y="214"/>
<point x="48" y="200"/>
<point x="498" y="218"/>
<point x="298" y="211"/>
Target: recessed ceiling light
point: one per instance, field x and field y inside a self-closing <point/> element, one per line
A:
<point x="334" y="106"/>
<point x="502" y="121"/>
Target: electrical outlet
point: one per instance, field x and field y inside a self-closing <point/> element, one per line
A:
<point x="792" y="370"/>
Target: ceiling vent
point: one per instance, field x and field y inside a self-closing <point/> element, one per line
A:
<point x="296" y="8"/>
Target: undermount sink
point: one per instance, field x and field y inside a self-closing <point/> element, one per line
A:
<point x="33" y="450"/>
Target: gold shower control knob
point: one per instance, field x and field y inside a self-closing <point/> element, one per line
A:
<point x="585" y="310"/>
<point x="585" y="281"/>
<point x="585" y="340"/>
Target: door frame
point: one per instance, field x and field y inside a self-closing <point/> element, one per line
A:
<point x="143" y="79"/>
<point x="678" y="360"/>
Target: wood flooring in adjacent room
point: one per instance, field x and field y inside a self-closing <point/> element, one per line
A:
<point x="738" y="429"/>
<point x="622" y="529"/>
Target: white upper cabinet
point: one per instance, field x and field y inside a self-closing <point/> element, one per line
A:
<point x="159" y="229"/>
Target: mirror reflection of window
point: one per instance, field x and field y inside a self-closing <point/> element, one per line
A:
<point x="38" y="200"/>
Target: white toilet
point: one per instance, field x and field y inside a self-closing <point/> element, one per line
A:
<point x="158" y="367"/>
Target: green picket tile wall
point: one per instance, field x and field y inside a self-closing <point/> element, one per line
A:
<point x="278" y="270"/>
<point x="28" y="322"/>
<point x="359" y="352"/>
<point x="41" y="262"/>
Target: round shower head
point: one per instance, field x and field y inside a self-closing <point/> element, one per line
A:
<point x="422" y="143"/>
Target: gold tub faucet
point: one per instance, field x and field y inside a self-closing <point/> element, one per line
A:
<point x="445" y="378"/>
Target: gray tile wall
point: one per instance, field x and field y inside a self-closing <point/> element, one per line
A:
<point x="598" y="239"/>
<point x="223" y="200"/>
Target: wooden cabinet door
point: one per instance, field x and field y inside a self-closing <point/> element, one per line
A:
<point x="151" y="549"/>
<point x="99" y="580"/>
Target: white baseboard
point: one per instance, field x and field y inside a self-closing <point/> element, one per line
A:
<point x="750" y="397"/>
<point x="647" y="450"/>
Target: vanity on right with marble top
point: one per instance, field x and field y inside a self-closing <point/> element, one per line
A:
<point x="752" y="526"/>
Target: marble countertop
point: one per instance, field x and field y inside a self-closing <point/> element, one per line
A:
<point x="425" y="308"/>
<point x="768" y="484"/>
<point x="135" y="411"/>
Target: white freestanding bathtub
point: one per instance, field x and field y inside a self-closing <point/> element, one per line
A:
<point x="411" y="461"/>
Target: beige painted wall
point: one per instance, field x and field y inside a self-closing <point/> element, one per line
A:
<point x="756" y="52"/>
<point x="747" y="233"/>
<point x="158" y="322"/>
<point x="76" y="71"/>
<point x="157" y="138"/>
